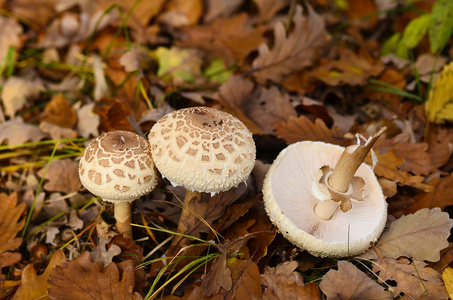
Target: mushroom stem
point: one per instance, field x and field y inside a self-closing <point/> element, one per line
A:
<point x="350" y="160"/>
<point x="325" y="209"/>
<point x="185" y="213"/>
<point x="122" y="212"/>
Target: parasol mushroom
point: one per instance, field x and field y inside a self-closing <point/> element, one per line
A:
<point x="327" y="212"/>
<point x="117" y="166"/>
<point x="202" y="149"/>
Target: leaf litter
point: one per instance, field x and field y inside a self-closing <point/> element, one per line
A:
<point x="290" y="73"/>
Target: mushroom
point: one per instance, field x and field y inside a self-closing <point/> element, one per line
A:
<point x="117" y="166"/>
<point x="328" y="213"/>
<point x="202" y="149"/>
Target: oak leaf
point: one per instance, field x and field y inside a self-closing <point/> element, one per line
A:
<point x="10" y="225"/>
<point x="440" y="196"/>
<point x="268" y="8"/>
<point x="350" y="69"/>
<point x="228" y="38"/>
<point x="59" y="112"/>
<point x="34" y="286"/>
<point x="416" y="158"/>
<point x="388" y="166"/>
<point x="348" y="282"/>
<point x="420" y="236"/>
<point x="440" y="141"/>
<point x="16" y="91"/>
<point x="246" y="279"/>
<point x="303" y="129"/>
<point x="63" y="176"/>
<point x="273" y="104"/>
<point x="283" y="282"/>
<point x="16" y="132"/>
<point x="292" y="53"/>
<point x="87" y="280"/>
<point x="413" y="279"/>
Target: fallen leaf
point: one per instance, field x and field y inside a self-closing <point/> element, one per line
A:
<point x="420" y="236"/>
<point x="38" y="13"/>
<point x="363" y="14"/>
<point x="439" y="106"/>
<point x="88" y="122"/>
<point x="235" y="91"/>
<point x="62" y="176"/>
<point x="34" y="286"/>
<point x="15" y="93"/>
<point x="447" y="277"/>
<point x="246" y="279"/>
<point x="273" y="104"/>
<point x="350" y="69"/>
<point x="303" y="129"/>
<point x="114" y="115"/>
<point x="219" y="9"/>
<point x="178" y="65"/>
<point x="229" y="38"/>
<point x="348" y="282"/>
<point x="440" y="141"/>
<point x="440" y="196"/>
<point x="57" y="132"/>
<point x="416" y="158"/>
<point x="220" y="276"/>
<point x="87" y="280"/>
<point x="101" y="253"/>
<point x="413" y="279"/>
<point x="388" y="166"/>
<point x="10" y="225"/>
<point x="268" y="8"/>
<point x="294" y="52"/>
<point x="59" y="112"/>
<point x="16" y="132"/>
<point x="283" y="282"/>
<point x="181" y="12"/>
<point x="9" y="35"/>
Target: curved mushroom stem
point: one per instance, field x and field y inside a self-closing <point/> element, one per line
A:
<point x="185" y="213"/>
<point x="343" y="173"/>
<point x="122" y="213"/>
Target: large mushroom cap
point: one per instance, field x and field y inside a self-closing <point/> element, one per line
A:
<point x="290" y="202"/>
<point x="202" y="149"/>
<point x="118" y="166"/>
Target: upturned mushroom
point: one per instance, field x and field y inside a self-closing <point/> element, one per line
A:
<point x="117" y="166"/>
<point x="324" y="199"/>
<point x="202" y="149"/>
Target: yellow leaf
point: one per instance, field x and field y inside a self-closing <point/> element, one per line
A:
<point x="439" y="107"/>
<point x="447" y="277"/>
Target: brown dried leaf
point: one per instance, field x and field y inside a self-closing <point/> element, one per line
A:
<point x="273" y="104"/>
<point x="413" y="279"/>
<point x="182" y="12"/>
<point x="388" y="166"/>
<point x="33" y="286"/>
<point x="268" y="8"/>
<point x="87" y="121"/>
<point x="16" y="91"/>
<point x="350" y="69"/>
<point x="440" y="141"/>
<point x="87" y="280"/>
<point x="220" y="276"/>
<point x="230" y="38"/>
<point x="16" y="132"/>
<point x="416" y="158"/>
<point x="351" y="283"/>
<point x="303" y="129"/>
<point x="63" y="176"/>
<point x="294" y="52"/>
<point x="10" y="214"/>
<point x="114" y="115"/>
<point x="420" y="236"/>
<point x="9" y="35"/>
<point x="440" y="196"/>
<point x="57" y="132"/>
<point x="235" y="90"/>
<point x="59" y="112"/>
<point x="37" y="13"/>
<point x="246" y="280"/>
<point x="283" y="282"/>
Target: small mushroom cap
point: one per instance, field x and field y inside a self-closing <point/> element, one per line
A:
<point x="118" y="166"/>
<point x="202" y="149"/>
<point x="289" y="201"/>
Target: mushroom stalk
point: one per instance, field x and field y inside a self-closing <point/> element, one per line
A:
<point x="185" y="213"/>
<point x="339" y="180"/>
<point x="122" y="213"/>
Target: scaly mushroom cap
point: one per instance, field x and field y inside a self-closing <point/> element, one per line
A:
<point x="202" y="149"/>
<point x="290" y="200"/>
<point x="118" y="166"/>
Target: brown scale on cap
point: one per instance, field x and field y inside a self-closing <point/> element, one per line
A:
<point x="118" y="166"/>
<point x="202" y="149"/>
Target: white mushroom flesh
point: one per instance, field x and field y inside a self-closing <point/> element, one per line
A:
<point x="202" y="149"/>
<point x="290" y="203"/>
<point x="118" y="166"/>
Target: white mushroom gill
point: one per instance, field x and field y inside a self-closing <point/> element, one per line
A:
<point x="290" y="182"/>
